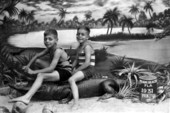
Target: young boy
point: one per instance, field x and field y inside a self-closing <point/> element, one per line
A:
<point x="84" y="62"/>
<point x="59" y="68"/>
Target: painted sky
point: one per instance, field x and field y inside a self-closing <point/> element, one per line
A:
<point x="46" y="10"/>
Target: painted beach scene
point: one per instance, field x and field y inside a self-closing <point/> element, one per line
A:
<point x="130" y="39"/>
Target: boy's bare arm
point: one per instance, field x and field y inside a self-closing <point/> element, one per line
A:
<point x="37" y="56"/>
<point x="87" y="59"/>
<point x="53" y="64"/>
<point x="76" y="58"/>
<point x="75" y="61"/>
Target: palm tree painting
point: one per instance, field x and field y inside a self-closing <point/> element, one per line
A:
<point x="10" y="7"/>
<point x="148" y="7"/>
<point x="88" y="15"/>
<point x="62" y="14"/>
<point x="126" y="22"/>
<point x="7" y="22"/>
<point x="150" y="27"/>
<point x="134" y="10"/>
<point x="111" y="18"/>
<point x="107" y="18"/>
<point x="114" y="16"/>
<point x="30" y="17"/>
<point x="23" y="15"/>
<point x="75" y="19"/>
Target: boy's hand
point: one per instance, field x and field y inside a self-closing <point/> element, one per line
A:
<point x="74" y="71"/>
<point x="25" y="68"/>
<point x="30" y="71"/>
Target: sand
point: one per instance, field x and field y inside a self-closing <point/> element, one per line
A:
<point x="91" y="105"/>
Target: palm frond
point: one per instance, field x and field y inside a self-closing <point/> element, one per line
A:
<point x="132" y="71"/>
<point x="119" y="63"/>
<point x="155" y="68"/>
<point x="125" y="91"/>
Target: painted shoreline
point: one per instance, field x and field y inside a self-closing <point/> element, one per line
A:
<point x="66" y="37"/>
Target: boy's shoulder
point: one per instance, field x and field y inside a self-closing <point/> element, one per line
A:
<point x="59" y="50"/>
<point x="88" y="43"/>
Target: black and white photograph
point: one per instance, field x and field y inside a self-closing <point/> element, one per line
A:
<point x="84" y="56"/>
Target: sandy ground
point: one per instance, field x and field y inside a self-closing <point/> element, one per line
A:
<point x="91" y="105"/>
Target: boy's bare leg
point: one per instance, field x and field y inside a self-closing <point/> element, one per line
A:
<point x="26" y="98"/>
<point x="76" y="77"/>
<point x="36" y="85"/>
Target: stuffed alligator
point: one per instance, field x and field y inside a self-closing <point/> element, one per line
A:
<point x="105" y="88"/>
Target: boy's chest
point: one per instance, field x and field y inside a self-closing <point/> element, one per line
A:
<point x="81" y="52"/>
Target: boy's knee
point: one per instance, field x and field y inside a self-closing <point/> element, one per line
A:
<point x="40" y="75"/>
<point x="37" y="61"/>
<point x="71" y="80"/>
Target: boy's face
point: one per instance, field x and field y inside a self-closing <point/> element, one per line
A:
<point x="82" y="35"/>
<point x="50" y="40"/>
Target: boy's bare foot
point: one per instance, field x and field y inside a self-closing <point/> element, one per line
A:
<point x="75" y="106"/>
<point x="20" y="99"/>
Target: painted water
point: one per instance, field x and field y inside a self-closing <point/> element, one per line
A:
<point x="157" y="51"/>
<point x="66" y="37"/>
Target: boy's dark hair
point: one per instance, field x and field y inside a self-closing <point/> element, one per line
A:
<point x="51" y="31"/>
<point x="85" y="28"/>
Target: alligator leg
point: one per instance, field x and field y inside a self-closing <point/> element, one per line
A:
<point x="110" y="88"/>
<point x="68" y="98"/>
